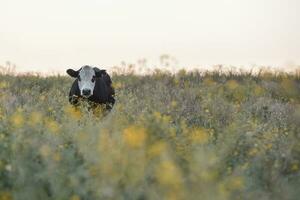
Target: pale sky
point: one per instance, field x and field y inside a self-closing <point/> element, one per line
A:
<point x="54" y="35"/>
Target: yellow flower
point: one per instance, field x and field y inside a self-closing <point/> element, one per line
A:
<point x="176" y="81"/>
<point x="208" y="175"/>
<point x="82" y="136"/>
<point x="45" y="150"/>
<point x="181" y="72"/>
<point x="117" y="85"/>
<point x="258" y="91"/>
<point x="232" y="84"/>
<point x="134" y="136"/>
<point x="42" y="97"/>
<point x="56" y="157"/>
<point x="166" y="119"/>
<point x="173" y="103"/>
<point x="245" y="166"/>
<point x="236" y="183"/>
<point x="93" y="170"/>
<point x="2" y="136"/>
<point x="269" y="146"/>
<point x="209" y="82"/>
<point x="1" y="113"/>
<point x="252" y="152"/>
<point x="232" y="184"/>
<point x="157" y="115"/>
<point x="295" y="167"/>
<point x="168" y="174"/>
<point x="199" y="135"/>
<point x="75" y="197"/>
<point x="289" y="86"/>
<point x="35" y="118"/>
<point x="156" y="149"/>
<point x="17" y="119"/>
<point x="223" y="190"/>
<point x="105" y="141"/>
<point x="4" y="195"/>
<point x="172" y="132"/>
<point x="52" y="125"/>
<point x="72" y="112"/>
<point x="4" y="84"/>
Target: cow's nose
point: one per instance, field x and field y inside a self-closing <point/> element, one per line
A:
<point x="86" y="92"/>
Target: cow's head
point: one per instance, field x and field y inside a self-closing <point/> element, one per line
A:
<point x="86" y="77"/>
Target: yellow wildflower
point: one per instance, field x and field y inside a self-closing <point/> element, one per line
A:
<point x="75" y="197"/>
<point x="269" y="146"/>
<point x="72" y="112"/>
<point x="4" y="84"/>
<point x="1" y="113"/>
<point x="173" y="103"/>
<point x="209" y="82"/>
<point x="166" y="118"/>
<point x="157" y="115"/>
<point x="56" y="157"/>
<point x="199" y="135"/>
<point x="295" y="167"/>
<point x="253" y="152"/>
<point x="117" y="85"/>
<point x="82" y="136"/>
<point x="176" y="81"/>
<point x="52" y="125"/>
<point x="35" y="118"/>
<point x="233" y="184"/>
<point x="168" y="174"/>
<point x="208" y="175"/>
<point x="232" y="84"/>
<point x="45" y="150"/>
<point x="156" y="149"/>
<point x="134" y="136"/>
<point x="4" y="195"/>
<point x="17" y="119"/>
<point x="236" y="183"/>
<point x="258" y="91"/>
<point x="245" y="166"/>
<point x="105" y="141"/>
<point x="2" y="136"/>
<point x="42" y="97"/>
<point x="289" y="86"/>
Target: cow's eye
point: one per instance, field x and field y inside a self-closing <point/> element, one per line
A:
<point x="93" y="79"/>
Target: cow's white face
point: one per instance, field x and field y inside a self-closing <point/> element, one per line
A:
<point x="86" y="81"/>
<point x="86" y="78"/>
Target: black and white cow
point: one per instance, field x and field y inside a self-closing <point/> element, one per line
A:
<point x="91" y="84"/>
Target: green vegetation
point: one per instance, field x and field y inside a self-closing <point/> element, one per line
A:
<point x="190" y="135"/>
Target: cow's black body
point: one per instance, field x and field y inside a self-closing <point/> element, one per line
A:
<point x="103" y="92"/>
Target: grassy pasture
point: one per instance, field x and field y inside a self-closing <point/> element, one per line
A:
<point x="192" y="135"/>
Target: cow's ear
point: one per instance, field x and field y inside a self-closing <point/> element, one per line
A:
<point x="99" y="73"/>
<point x="73" y="73"/>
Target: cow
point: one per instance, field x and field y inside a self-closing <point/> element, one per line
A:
<point x="93" y="85"/>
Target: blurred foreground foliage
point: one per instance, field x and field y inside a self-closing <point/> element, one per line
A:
<point x="189" y="135"/>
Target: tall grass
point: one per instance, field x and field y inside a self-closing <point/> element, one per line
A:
<point x="189" y="135"/>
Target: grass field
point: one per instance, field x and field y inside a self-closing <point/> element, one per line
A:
<point x="192" y="135"/>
